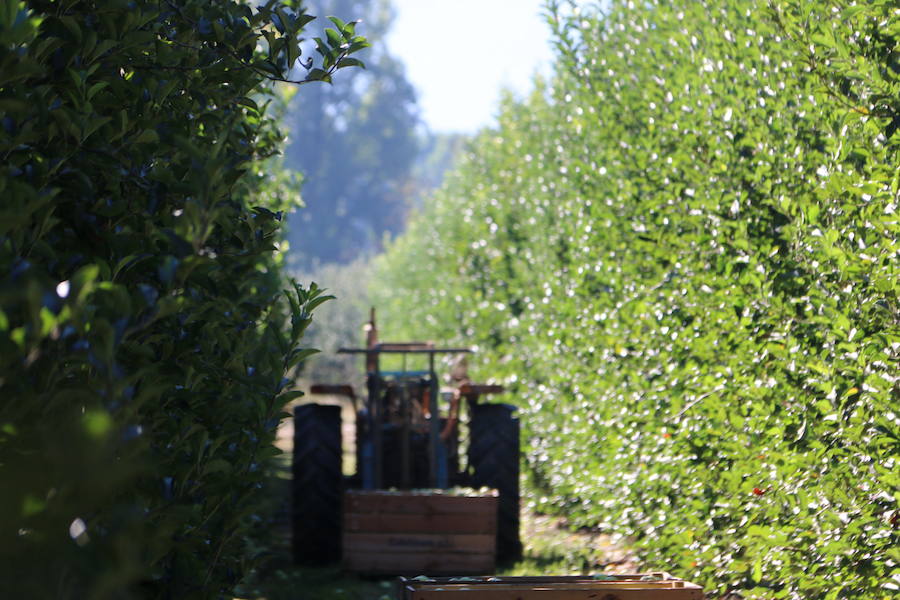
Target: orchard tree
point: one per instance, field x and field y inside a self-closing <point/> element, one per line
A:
<point x="681" y="256"/>
<point x="145" y="330"/>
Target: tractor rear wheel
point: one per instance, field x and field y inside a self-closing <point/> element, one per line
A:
<point x="494" y="462"/>
<point x="317" y="484"/>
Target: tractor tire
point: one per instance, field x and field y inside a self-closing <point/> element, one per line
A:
<point x="494" y="462"/>
<point x="317" y="484"/>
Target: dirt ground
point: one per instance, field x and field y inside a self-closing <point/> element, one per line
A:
<point x="550" y="548"/>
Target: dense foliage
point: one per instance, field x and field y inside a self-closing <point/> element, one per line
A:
<point x="682" y="253"/>
<point x="144" y="338"/>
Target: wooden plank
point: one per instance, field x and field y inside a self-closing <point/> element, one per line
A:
<point x="423" y="523"/>
<point x="549" y="579"/>
<point x="553" y="594"/>
<point x="415" y="563"/>
<point x="413" y="503"/>
<point x="419" y="532"/>
<point x="579" y="585"/>
<point x="414" y="542"/>
<point x="620" y="587"/>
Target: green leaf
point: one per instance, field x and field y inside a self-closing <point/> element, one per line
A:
<point x="318" y="75"/>
<point x="147" y="136"/>
<point x="289" y="396"/>
<point x="350" y="62"/>
<point x="341" y="25"/>
<point x="217" y="465"/>
<point x="97" y="423"/>
<point x="32" y="505"/>
<point x="335" y="39"/>
<point x="298" y="356"/>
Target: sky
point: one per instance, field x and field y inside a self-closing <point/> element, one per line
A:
<point x="460" y="53"/>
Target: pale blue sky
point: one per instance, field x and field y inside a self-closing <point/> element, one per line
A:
<point x="460" y="53"/>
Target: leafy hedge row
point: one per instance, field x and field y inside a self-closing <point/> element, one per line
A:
<point x="144" y="331"/>
<point x="683" y="255"/>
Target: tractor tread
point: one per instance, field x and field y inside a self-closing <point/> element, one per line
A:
<point x="494" y="461"/>
<point x="317" y="484"/>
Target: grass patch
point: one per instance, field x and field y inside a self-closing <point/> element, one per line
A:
<point x="325" y="583"/>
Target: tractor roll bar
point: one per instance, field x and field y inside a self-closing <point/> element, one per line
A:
<point x="404" y="349"/>
<point x="438" y="474"/>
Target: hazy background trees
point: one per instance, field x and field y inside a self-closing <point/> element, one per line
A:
<point x="372" y="159"/>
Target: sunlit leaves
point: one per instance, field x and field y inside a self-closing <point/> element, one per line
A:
<point x="683" y="257"/>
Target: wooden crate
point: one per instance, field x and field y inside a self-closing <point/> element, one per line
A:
<point x="426" y="531"/>
<point x="640" y="586"/>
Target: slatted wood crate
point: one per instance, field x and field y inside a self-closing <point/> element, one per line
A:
<point x="641" y="586"/>
<point x="425" y="531"/>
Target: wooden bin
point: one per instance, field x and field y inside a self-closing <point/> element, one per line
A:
<point x="426" y="531"/>
<point x="640" y="586"/>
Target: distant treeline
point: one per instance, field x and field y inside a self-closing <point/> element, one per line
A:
<point x="365" y="156"/>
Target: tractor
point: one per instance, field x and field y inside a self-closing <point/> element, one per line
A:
<point x="408" y="437"/>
